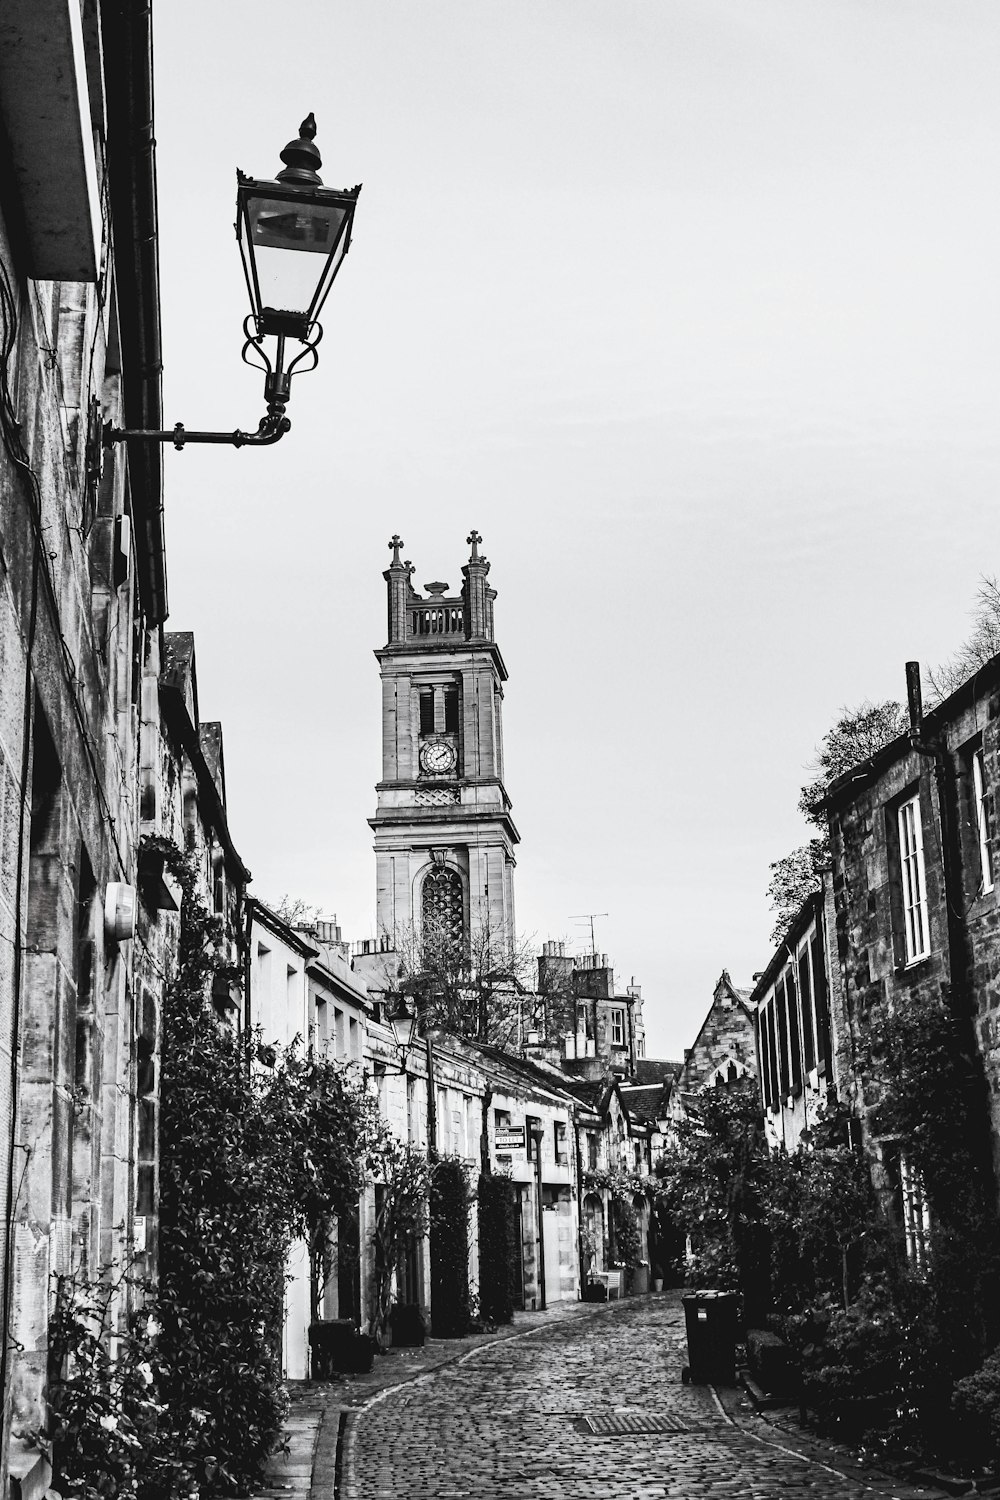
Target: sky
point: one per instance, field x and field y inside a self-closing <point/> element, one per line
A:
<point x="692" y="308"/>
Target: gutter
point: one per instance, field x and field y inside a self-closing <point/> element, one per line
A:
<point x="128" y="74"/>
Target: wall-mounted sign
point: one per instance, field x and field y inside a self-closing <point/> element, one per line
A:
<point x="511" y="1138"/>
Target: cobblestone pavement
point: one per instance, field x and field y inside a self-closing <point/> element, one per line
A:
<point x="558" y="1414"/>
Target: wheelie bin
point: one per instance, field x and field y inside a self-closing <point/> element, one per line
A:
<point x="711" y="1319"/>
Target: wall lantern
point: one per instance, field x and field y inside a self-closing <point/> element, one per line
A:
<point x="293" y="235"/>
<point x="403" y="1021"/>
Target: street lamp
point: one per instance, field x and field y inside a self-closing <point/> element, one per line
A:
<point x="537" y="1133"/>
<point x="403" y="1021"/>
<point x="293" y="235"/>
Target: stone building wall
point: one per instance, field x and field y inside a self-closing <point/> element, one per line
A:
<point x="962" y="961"/>
<point x="724" y="1048"/>
<point x="80" y="600"/>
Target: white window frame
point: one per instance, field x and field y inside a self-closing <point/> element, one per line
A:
<point x="985" y="852"/>
<point x="916" y="932"/>
<point x="618" y="1027"/>
<point x="916" y="1213"/>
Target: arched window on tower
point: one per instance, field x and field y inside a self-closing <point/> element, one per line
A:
<point x="442" y="918"/>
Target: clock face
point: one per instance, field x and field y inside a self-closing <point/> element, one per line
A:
<point x="437" y="757"/>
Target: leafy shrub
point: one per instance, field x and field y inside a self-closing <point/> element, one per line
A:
<point x="628" y="1238"/>
<point x="249" y="1159"/>
<point x="870" y="1369"/>
<point x="496" y="1250"/>
<point x="449" y="1248"/>
<point x="111" y="1436"/>
<point x="976" y="1404"/>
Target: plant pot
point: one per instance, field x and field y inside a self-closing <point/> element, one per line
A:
<point x="657" y="1283"/>
<point x="338" y="1347"/>
<point x="406" y="1325"/>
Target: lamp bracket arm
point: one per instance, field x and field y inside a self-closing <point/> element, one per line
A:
<point x="271" y="428"/>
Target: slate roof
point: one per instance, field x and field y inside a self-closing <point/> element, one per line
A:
<point x="646" y="1103"/>
<point x="650" y="1070"/>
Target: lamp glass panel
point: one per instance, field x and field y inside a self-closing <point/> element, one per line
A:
<point x="330" y="271"/>
<point x="277" y="228"/>
<point x="403" y="1027"/>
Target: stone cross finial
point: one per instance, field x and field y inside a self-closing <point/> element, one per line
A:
<point x="473" y="540"/>
<point x="395" y="544"/>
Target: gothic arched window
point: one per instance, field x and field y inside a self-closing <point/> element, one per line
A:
<point x="442" y="916"/>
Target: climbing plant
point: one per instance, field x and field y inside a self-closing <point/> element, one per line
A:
<point x="250" y="1158"/>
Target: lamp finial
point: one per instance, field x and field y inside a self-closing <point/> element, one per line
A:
<point x="301" y="157"/>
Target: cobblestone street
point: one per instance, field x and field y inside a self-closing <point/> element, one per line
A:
<point x="589" y="1407"/>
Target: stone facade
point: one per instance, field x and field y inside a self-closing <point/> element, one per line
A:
<point x="724" y="1049"/>
<point x="914" y="841"/>
<point x="82" y="594"/>
<point x="580" y="1012"/>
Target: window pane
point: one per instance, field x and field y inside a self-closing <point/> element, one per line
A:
<point x="782" y="1015"/>
<point x="912" y="880"/>
<point x="806" y="1002"/>
<point x="984" y="821"/>
<point x="772" y="1057"/>
<point x="794" y="1037"/>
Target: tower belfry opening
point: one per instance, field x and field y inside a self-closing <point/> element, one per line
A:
<point x="444" y="836"/>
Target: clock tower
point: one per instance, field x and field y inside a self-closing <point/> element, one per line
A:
<point x="444" y="838"/>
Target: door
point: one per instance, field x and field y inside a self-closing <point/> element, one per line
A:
<point x="551" y="1220"/>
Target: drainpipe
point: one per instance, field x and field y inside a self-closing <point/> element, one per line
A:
<point x="247" y="980"/>
<point x="431" y="1101"/>
<point x="537" y="1132"/>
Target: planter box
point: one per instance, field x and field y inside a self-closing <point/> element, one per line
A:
<point x="338" y="1348"/>
<point x="772" y="1363"/>
<point x="640" y="1280"/>
<point x="406" y="1325"/>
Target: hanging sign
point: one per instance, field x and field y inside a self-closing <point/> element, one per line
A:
<point x="510" y="1138"/>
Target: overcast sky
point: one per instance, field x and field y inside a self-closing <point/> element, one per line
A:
<point x="692" y="308"/>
